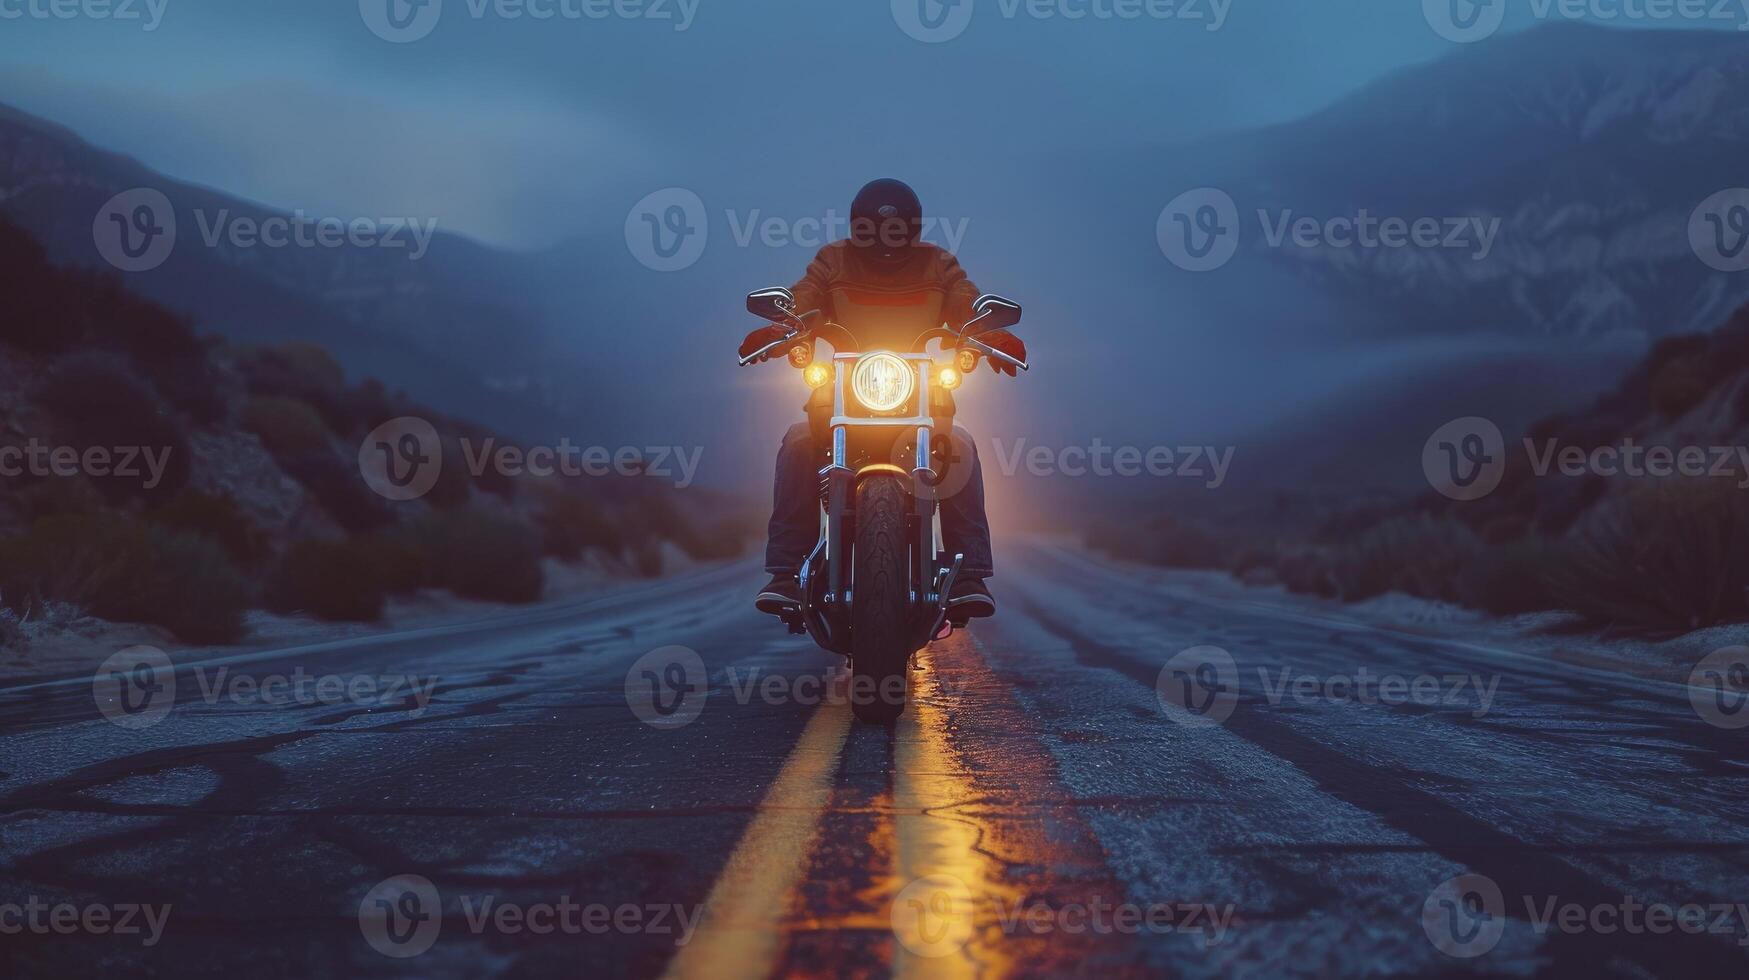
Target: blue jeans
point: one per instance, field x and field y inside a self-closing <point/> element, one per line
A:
<point x="795" y="510"/>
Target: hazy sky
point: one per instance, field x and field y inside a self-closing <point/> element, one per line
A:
<point x="532" y="132"/>
<point x="506" y="124"/>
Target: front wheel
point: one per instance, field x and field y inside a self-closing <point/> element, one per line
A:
<point x="879" y="599"/>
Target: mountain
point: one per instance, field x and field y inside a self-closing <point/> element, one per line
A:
<point x="1592" y="146"/>
<point x="449" y="327"/>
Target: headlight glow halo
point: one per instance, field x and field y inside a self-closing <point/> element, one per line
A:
<point x="882" y="381"/>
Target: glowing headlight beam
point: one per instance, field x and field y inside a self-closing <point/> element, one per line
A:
<point x="882" y="381"/>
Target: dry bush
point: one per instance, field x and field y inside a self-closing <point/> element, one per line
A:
<point x="331" y="580"/>
<point x="121" y="570"/>
<point x="288" y="427"/>
<point x="1664" y="557"/>
<point x="1419" y="555"/>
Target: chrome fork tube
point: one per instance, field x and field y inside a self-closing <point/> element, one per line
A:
<point x="837" y="503"/>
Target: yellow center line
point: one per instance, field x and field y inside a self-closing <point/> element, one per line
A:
<point x="740" y="934"/>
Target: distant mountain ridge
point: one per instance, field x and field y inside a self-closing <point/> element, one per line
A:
<point x="1592" y="147"/>
<point x="448" y="328"/>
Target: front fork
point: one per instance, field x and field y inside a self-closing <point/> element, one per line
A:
<point x="837" y="477"/>
<point x="929" y="582"/>
<point x="923" y="478"/>
<point x="923" y="475"/>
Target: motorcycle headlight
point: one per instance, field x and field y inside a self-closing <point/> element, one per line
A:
<point x="882" y="382"/>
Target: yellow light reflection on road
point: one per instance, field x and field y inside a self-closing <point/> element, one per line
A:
<point x="947" y="891"/>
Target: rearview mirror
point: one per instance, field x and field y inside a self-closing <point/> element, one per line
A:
<point x="993" y="313"/>
<point x="774" y="303"/>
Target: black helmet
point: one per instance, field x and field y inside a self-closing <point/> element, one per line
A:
<point x="886" y="219"/>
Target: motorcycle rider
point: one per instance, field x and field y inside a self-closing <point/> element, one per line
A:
<point x="888" y="287"/>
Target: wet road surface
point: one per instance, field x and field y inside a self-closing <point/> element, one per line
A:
<point x="658" y="781"/>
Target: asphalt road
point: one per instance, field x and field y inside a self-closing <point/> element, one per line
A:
<point x="489" y="799"/>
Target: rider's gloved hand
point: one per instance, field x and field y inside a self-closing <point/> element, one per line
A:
<point x="762" y="337"/>
<point x="1008" y="344"/>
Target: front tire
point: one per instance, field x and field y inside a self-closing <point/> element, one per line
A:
<point x="879" y="599"/>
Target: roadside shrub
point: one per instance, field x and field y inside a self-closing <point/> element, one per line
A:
<point x="218" y="517"/>
<point x="473" y="554"/>
<point x="332" y="580"/>
<point x="140" y="326"/>
<point x="340" y="489"/>
<point x="1419" y="555"/>
<point x="1510" y="579"/>
<point x="1309" y="572"/>
<point x="1115" y="541"/>
<point x="287" y="426"/>
<point x="1665" y="557"/>
<point x="99" y="402"/>
<point x="192" y="589"/>
<point x="657" y="516"/>
<point x="1681" y="384"/>
<point x="1166" y="541"/>
<point x="81" y="559"/>
<point x="37" y="318"/>
<point x="303" y="371"/>
<point x="120" y="570"/>
<point x="479" y="556"/>
<point x="571" y="523"/>
<point x="401" y="560"/>
<point x="646" y="557"/>
<point x="187" y="381"/>
<point x="55" y="497"/>
<point x="454" y="486"/>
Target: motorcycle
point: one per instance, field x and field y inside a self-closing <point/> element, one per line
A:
<point x="875" y="587"/>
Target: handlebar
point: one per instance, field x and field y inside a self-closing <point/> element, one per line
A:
<point x="962" y="341"/>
